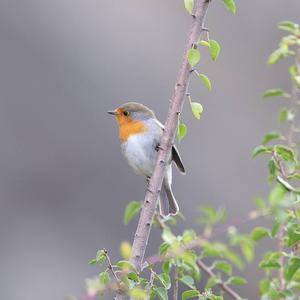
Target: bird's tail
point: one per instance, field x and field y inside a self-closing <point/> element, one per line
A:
<point x="167" y="202"/>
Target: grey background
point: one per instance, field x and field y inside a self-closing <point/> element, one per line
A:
<point x="63" y="182"/>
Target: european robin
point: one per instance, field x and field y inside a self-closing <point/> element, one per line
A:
<point x="140" y="133"/>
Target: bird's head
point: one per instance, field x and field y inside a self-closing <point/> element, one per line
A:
<point x="132" y="112"/>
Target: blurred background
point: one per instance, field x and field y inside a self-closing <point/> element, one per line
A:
<point x="63" y="181"/>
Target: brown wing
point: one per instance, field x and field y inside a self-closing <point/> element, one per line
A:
<point x="177" y="159"/>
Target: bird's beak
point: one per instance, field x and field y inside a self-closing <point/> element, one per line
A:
<point x="112" y="112"/>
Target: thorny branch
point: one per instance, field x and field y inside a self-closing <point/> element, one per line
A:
<point x="221" y="284"/>
<point x="176" y="103"/>
<point x="175" y="107"/>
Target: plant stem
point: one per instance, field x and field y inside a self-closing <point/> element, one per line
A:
<point x="176" y="104"/>
<point x="222" y="285"/>
<point x="175" y="290"/>
<point x="110" y="266"/>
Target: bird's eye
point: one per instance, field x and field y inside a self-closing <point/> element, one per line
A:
<point x="125" y="113"/>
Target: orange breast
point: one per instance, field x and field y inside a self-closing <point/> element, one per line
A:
<point x="128" y="127"/>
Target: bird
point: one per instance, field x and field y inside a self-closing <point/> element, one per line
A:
<point x="139" y="133"/>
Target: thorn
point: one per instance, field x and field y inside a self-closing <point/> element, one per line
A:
<point x="194" y="46"/>
<point x="150" y="191"/>
<point x="204" y="29"/>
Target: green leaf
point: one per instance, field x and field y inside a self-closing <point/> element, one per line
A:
<point x="275" y="229"/>
<point x="211" y="216"/>
<point x="278" y="54"/>
<point x="133" y="276"/>
<point x="270" y="260"/>
<point x="193" y="57"/>
<point x="293" y="238"/>
<point x="125" y="265"/>
<point x="285" y="152"/>
<point x="104" y="278"/>
<point x="188" y="236"/>
<point x="273" y="135"/>
<point x="168" y="236"/>
<point x="260" y="202"/>
<point x="181" y="131"/>
<point x="161" y="293"/>
<point x="100" y="257"/>
<point x="291" y="268"/>
<point x="131" y="211"/>
<point x="165" y="280"/>
<point x="166" y="267"/>
<point x="214" y="48"/>
<point x="189" y="5"/>
<point x="92" y="261"/>
<point x="188" y="280"/>
<point x="283" y="115"/>
<point x="125" y="250"/>
<point x="248" y="251"/>
<point x="138" y="294"/>
<point x="261" y="150"/>
<point x="272" y="165"/>
<point x="259" y="233"/>
<point x="206" y="81"/>
<point x="230" y="5"/>
<point x="163" y="248"/>
<point x="212" y="282"/>
<point x="269" y="265"/>
<point x="236" y="280"/>
<point x="274" y="93"/>
<point x="203" y="43"/>
<point x="197" y="109"/>
<point x="264" y="286"/>
<point x="190" y="294"/>
<point x="288" y="26"/>
<point x="223" y="265"/>
<point x="277" y="194"/>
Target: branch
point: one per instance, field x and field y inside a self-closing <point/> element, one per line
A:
<point x="176" y="286"/>
<point x="176" y="104"/>
<point x="222" y="285"/>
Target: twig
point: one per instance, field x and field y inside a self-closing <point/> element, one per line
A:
<point x="222" y="285"/>
<point x="160" y="222"/>
<point x="175" y="290"/>
<point x="143" y="230"/>
<point x="110" y="266"/>
<point x="200" y="241"/>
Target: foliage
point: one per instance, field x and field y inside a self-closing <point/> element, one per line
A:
<point x="182" y="259"/>
<point x="282" y="265"/>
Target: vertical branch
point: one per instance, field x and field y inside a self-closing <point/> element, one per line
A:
<point x="176" y="286"/>
<point x="175" y="107"/>
<point x="167" y="140"/>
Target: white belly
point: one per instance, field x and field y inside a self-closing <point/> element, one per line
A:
<point x="140" y="153"/>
